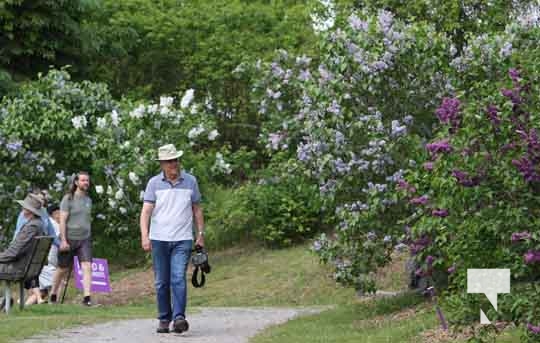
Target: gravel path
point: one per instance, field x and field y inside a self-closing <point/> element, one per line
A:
<point x="223" y="325"/>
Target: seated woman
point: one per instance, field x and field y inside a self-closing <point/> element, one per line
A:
<point x="39" y="295"/>
<point x="11" y="261"/>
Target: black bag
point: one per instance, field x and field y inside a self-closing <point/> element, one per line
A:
<point x="199" y="259"/>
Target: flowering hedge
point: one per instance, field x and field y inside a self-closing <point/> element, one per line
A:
<point x="459" y="194"/>
<point x="55" y="127"/>
<point x="475" y="193"/>
<point x="344" y="121"/>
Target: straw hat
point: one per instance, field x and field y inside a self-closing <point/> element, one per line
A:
<point x="168" y="152"/>
<point x="32" y="204"/>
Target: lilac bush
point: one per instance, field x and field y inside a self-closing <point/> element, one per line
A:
<point x="346" y="122"/>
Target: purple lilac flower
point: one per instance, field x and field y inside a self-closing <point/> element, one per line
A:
<point x="419" y="244"/>
<point x="274" y="140"/>
<point x="277" y="71"/>
<point x="317" y="245"/>
<point x="520" y="236"/>
<point x="512" y="94"/>
<point x="357" y="23"/>
<point x="527" y="169"/>
<point x="324" y="73"/>
<point x="108" y="170"/>
<point x="408" y="120"/>
<point x="439" y="146"/>
<point x="440" y="213"/>
<point x="429" y="260"/>
<point x="419" y="200"/>
<point x="304" y="75"/>
<point x="428" y="166"/>
<point x="398" y="130"/>
<point x="386" y="20"/>
<point x="534" y="329"/>
<point x="492" y="112"/>
<point x="452" y="269"/>
<point x="465" y="179"/>
<point x="507" y="147"/>
<point x="334" y="108"/>
<point x="532" y="256"/>
<point x="448" y="111"/>
<point x="514" y="74"/>
<point x="14" y="146"/>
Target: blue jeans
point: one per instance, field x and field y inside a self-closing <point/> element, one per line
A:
<point x="170" y="261"/>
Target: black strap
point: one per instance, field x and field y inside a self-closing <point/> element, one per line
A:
<point x="194" y="279"/>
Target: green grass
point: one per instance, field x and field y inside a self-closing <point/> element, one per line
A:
<point x="260" y="277"/>
<point x="370" y="321"/>
<point x="40" y="319"/>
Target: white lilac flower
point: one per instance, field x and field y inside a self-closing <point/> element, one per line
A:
<point x="164" y="111"/>
<point x="274" y="140"/>
<point x="109" y="190"/>
<point x="101" y="123"/>
<point x="138" y="112"/>
<point x="112" y="203"/>
<point x="100" y="216"/>
<point x="152" y="108"/>
<point x="166" y="101"/>
<point x="79" y="122"/>
<point x="220" y="164"/>
<point x="119" y="195"/>
<point x="187" y="98"/>
<point x="134" y="178"/>
<point x="60" y="176"/>
<point x="213" y="135"/>
<point x="115" y="118"/>
<point x="120" y="182"/>
<point x="58" y="186"/>
<point x="122" y="210"/>
<point x="506" y="50"/>
<point x="398" y="130"/>
<point x="195" y="132"/>
<point x="194" y="109"/>
<point x="324" y="22"/>
<point x="99" y="189"/>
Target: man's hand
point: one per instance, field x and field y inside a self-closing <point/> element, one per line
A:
<point x="200" y="240"/>
<point x="146" y="245"/>
<point x="64" y="246"/>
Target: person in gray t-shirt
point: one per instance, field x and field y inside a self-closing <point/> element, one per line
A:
<point x="75" y="234"/>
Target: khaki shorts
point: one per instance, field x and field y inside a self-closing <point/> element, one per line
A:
<point x="80" y="248"/>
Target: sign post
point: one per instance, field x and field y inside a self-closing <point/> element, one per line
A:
<point x="100" y="275"/>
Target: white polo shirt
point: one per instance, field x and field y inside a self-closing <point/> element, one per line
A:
<point x="172" y="217"/>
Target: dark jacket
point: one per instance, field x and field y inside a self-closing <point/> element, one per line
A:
<point x="15" y="257"/>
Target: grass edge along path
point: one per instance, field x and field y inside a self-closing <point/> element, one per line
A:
<point x="390" y="319"/>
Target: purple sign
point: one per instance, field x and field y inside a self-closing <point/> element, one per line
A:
<point x="100" y="275"/>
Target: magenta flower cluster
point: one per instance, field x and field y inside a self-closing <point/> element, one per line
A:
<point x="532" y="256"/>
<point x="438" y="147"/>
<point x="448" y="112"/>
<point x="520" y="236"/>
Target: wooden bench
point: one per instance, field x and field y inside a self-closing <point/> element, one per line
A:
<point x="36" y="258"/>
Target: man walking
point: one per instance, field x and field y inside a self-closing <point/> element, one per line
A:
<point x="171" y="200"/>
<point x="75" y="235"/>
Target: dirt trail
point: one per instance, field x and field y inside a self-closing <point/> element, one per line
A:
<point x="210" y="325"/>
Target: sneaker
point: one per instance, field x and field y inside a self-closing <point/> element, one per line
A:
<point x="163" y="327"/>
<point x="86" y="301"/>
<point x="53" y="299"/>
<point x="180" y="325"/>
